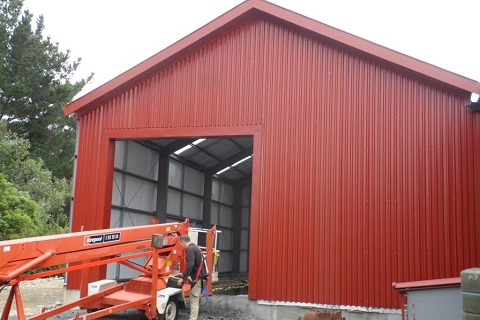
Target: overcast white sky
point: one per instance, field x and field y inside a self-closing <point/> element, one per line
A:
<point x="111" y="36"/>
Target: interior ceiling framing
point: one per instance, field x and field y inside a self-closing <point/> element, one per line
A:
<point x="228" y="159"/>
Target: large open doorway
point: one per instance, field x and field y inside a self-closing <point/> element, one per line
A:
<point x="207" y="180"/>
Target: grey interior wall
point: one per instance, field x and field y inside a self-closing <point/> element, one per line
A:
<point x="135" y="183"/>
<point x="222" y="216"/>
<point x="134" y="194"/>
<point x="185" y="200"/>
<point x="185" y="194"/>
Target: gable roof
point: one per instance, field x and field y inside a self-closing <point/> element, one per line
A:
<point x="264" y="9"/>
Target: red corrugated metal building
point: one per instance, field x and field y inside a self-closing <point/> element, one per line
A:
<point x="364" y="165"/>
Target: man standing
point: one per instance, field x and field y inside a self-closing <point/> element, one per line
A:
<point x="192" y="273"/>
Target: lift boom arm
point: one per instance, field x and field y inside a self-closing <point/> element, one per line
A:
<point x="149" y="292"/>
<point x="21" y="255"/>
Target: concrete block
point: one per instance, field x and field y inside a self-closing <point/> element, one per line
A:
<point x="471" y="316"/>
<point x="470" y="280"/>
<point x="471" y="302"/>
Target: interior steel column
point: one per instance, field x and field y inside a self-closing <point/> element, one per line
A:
<point x="162" y="187"/>
<point x="237" y="226"/>
<point x="207" y="201"/>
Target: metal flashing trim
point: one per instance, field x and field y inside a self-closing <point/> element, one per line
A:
<point x="330" y="306"/>
<point x="426" y="284"/>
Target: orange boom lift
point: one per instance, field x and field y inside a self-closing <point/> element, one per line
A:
<point x="150" y="292"/>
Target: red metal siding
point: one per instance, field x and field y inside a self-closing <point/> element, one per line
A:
<point x="363" y="176"/>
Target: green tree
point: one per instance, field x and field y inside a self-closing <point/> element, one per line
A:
<point x="18" y="213"/>
<point x="35" y="83"/>
<point x="28" y="175"/>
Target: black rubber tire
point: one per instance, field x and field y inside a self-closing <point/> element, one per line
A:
<point x="171" y="310"/>
<point x="471" y="302"/>
<point x="471" y="280"/>
<point x="471" y="316"/>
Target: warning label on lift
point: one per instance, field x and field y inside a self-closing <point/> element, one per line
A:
<point x="100" y="238"/>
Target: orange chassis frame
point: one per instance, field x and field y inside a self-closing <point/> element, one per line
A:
<point x="93" y="249"/>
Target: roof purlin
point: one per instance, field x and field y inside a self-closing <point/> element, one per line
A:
<point x="243" y="12"/>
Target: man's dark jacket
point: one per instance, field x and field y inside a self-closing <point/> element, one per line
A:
<point x="194" y="259"/>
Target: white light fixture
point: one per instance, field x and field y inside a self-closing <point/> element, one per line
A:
<point x="223" y="170"/>
<point x="474" y="97"/>
<point x="198" y="141"/>
<point x="233" y="165"/>
<point x="243" y="160"/>
<point x="189" y="146"/>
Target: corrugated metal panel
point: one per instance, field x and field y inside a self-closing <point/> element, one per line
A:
<point x="195" y="92"/>
<point x="367" y="175"/>
<point x="85" y="214"/>
<point x="375" y="177"/>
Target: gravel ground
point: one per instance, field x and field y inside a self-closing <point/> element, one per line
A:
<point x="48" y="293"/>
<point x="206" y="313"/>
